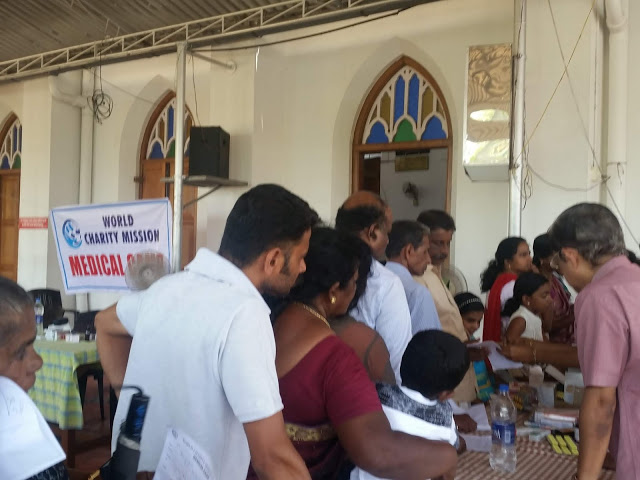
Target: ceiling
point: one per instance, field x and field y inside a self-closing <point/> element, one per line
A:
<point x="29" y="27"/>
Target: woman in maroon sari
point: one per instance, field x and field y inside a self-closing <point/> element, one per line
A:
<point x="562" y="329"/>
<point x="512" y="258"/>
<point x="330" y="405"/>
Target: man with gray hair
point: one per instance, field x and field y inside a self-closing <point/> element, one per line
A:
<point x="408" y="254"/>
<point x="591" y="255"/>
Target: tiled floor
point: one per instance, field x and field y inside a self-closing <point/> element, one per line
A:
<point x="96" y="429"/>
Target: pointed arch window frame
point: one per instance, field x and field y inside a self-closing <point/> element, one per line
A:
<point x="150" y="125"/>
<point x="11" y="143"/>
<point x="159" y="136"/>
<point x="365" y="121"/>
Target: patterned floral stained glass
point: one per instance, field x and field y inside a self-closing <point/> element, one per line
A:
<point x="162" y="140"/>
<point x="11" y="147"/>
<point x="407" y="109"/>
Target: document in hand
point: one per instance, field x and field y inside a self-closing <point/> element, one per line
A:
<point x="498" y="361"/>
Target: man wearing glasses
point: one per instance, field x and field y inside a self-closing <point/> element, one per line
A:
<point x="591" y="256"/>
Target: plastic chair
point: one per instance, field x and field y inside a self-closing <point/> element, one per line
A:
<point x="52" y="302"/>
<point x="85" y="322"/>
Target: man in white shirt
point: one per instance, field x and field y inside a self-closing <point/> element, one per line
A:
<point x="408" y="254"/>
<point x="202" y="347"/>
<point x="383" y="306"/>
<point x="433" y="365"/>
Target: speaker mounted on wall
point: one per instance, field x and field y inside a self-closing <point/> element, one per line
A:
<point x="209" y="152"/>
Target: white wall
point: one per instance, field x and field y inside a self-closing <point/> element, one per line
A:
<point x="633" y="142"/>
<point x="431" y="185"/>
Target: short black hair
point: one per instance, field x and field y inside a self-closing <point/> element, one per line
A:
<point x="354" y="220"/>
<point x="590" y="228"/>
<point x="13" y="301"/>
<point x="403" y="233"/>
<point x="333" y="256"/>
<point x="435" y="219"/>
<point x="264" y="217"/>
<point x="526" y="284"/>
<point x="468" y="302"/>
<point x="542" y="248"/>
<point x="434" y="362"/>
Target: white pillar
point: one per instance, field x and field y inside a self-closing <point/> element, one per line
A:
<point x="618" y="26"/>
<point x="85" y="187"/>
<point x="179" y="162"/>
<point x="516" y="168"/>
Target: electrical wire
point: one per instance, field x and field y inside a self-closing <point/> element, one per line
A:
<point x="555" y="90"/>
<point x="248" y="47"/>
<point x="303" y="37"/>
<point x="594" y="161"/>
<point x="195" y="90"/>
<point x="100" y="102"/>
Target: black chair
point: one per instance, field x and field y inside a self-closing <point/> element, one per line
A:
<point x="85" y="322"/>
<point x="52" y="301"/>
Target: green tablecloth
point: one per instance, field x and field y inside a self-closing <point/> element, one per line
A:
<point x="56" y="389"/>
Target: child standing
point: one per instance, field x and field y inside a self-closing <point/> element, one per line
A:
<point x="472" y="311"/>
<point x="531" y="299"/>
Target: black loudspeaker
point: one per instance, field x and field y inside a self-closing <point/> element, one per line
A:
<point x="209" y="152"/>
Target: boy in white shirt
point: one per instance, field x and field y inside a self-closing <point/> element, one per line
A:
<point x="433" y="365"/>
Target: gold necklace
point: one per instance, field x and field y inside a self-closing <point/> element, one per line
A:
<point x="313" y="312"/>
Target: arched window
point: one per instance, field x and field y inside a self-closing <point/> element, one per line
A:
<point x="161" y="143"/>
<point x="10" y="161"/>
<point x="11" y="147"/>
<point x="157" y="160"/>
<point x="404" y="111"/>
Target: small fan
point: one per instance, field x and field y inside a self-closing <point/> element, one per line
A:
<point x="145" y="268"/>
<point x="454" y="279"/>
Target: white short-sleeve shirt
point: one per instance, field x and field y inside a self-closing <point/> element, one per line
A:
<point x="383" y="307"/>
<point x="533" y="323"/>
<point x="412" y="423"/>
<point x="204" y="352"/>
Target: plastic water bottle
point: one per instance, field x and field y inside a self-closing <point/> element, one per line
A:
<point x="39" y="309"/>
<point x="503" y="432"/>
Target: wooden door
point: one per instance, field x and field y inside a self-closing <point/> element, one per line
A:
<point x="9" y="215"/>
<point x="152" y="171"/>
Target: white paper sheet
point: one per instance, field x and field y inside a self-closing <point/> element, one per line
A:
<point x="183" y="459"/>
<point x="498" y="361"/>
<point x="27" y="445"/>
<point x="477" y="443"/>
<point x="479" y="414"/>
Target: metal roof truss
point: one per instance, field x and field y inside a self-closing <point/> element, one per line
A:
<point x="255" y="22"/>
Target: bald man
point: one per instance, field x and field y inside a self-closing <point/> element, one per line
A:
<point x="383" y="306"/>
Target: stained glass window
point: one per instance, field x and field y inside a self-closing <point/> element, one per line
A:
<point x="407" y="109"/>
<point x="162" y="140"/>
<point x="11" y="148"/>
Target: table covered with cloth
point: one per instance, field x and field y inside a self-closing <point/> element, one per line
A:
<point x="56" y="390"/>
<point x="536" y="461"/>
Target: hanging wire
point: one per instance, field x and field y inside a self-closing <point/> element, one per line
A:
<point x="303" y="37"/>
<point x="195" y="90"/>
<point x="100" y="102"/>
<point x="594" y="161"/>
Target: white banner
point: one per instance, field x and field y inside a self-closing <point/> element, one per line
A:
<point x="95" y="242"/>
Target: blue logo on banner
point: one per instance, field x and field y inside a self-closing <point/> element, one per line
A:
<point x="71" y="232"/>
